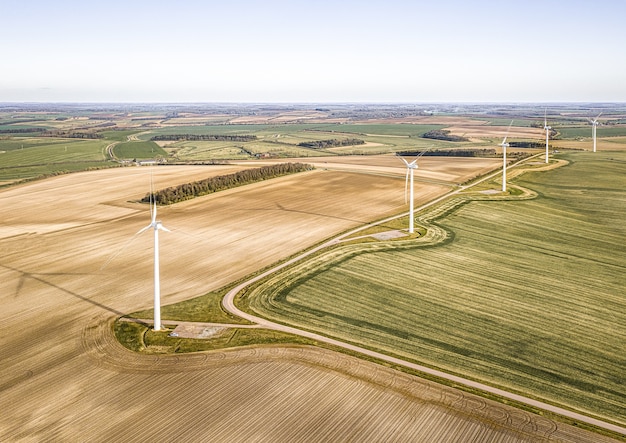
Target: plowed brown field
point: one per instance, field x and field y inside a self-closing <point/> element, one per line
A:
<point x="64" y="378"/>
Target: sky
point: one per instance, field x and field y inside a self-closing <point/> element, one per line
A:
<point x="278" y="51"/>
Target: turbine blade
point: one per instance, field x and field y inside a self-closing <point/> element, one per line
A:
<point x="405" y="162"/>
<point x="423" y="152"/>
<point x="507" y="132"/>
<point x="163" y="228"/>
<point x="153" y="214"/>
<point x="545" y="118"/>
<point x="142" y="230"/>
<point x="120" y="250"/>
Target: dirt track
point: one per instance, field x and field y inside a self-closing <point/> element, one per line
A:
<point x="64" y="378"/>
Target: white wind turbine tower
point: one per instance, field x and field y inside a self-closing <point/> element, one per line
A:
<point x="410" y="168"/>
<point x="504" y="145"/>
<point x="547" y="128"/>
<point x="157" y="226"/>
<point x="594" y="124"/>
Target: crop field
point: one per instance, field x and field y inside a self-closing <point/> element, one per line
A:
<point x="63" y="376"/>
<point x="585" y="131"/>
<point x="526" y="295"/>
<point x="32" y="157"/>
<point x="138" y="149"/>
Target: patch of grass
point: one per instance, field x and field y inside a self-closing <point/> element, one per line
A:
<point x="397" y="224"/>
<point x="130" y="334"/>
<point x="205" y="309"/>
<point x="119" y="135"/>
<point x="140" y="337"/>
<point x="138" y="150"/>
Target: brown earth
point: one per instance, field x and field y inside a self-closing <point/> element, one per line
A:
<point x="64" y="378"/>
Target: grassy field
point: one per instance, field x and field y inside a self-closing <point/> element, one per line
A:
<point x="34" y="157"/>
<point x="526" y="295"/>
<point x="138" y="150"/>
<point x="585" y="131"/>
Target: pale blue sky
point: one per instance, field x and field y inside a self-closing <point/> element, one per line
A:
<point x="315" y="51"/>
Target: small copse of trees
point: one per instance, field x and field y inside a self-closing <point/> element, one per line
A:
<point x="191" y="190"/>
<point x="333" y="143"/>
<point x="442" y="134"/>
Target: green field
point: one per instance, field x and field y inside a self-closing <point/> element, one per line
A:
<point x="138" y="150"/>
<point x="35" y="157"/>
<point x="585" y="131"/>
<point x="526" y="295"/>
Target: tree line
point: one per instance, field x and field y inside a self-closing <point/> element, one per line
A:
<point x="204" y="137"/>
<point x="442" y="134"/>
<point x="210" y="185"/>
<point x="485" y="152"/>
<point x="322" y="144"/>
<point x="21" y="130"/>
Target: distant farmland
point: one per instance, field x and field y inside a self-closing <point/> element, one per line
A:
<point x="527" y="295"/>
<point x="585" y="131"/>
<point x="29" y="158"/>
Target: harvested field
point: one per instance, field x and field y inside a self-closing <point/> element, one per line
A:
<point x="64" y="378"/>
<point x="457" y="170"/>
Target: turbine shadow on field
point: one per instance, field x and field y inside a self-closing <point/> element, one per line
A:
<point x="25" y="275"/>
<point x="298" y="211"/>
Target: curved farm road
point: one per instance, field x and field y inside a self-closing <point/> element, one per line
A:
<point x="229" y="305"/>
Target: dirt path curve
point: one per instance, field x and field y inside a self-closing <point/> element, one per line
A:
<point x="229" y="305"/>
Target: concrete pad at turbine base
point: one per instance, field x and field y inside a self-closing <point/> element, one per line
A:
<point x="389" y="235"/>
<point x="197" y="331"/>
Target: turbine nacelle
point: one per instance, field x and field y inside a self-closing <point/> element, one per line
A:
<point x="412" y="165"/>
<point x="594" y="122"/>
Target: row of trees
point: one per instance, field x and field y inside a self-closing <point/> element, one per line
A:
<point x="73" y="134"/>
<point x="188" y="191"/>
<point x="204" y="137"/>
<point x="527" y="145"/>
<point x="442" y="134"/>
<point x="21" y="130"/>
<point x="453" y="153"/>
<point x="322" y="144"/>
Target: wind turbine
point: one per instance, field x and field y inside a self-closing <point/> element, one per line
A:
<point x="594" y="124"/>
<point x="410" y="168"/>
<point x="504" y="145"/>
<point x="156" y="226"/>
<point x="547" y="128"/>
